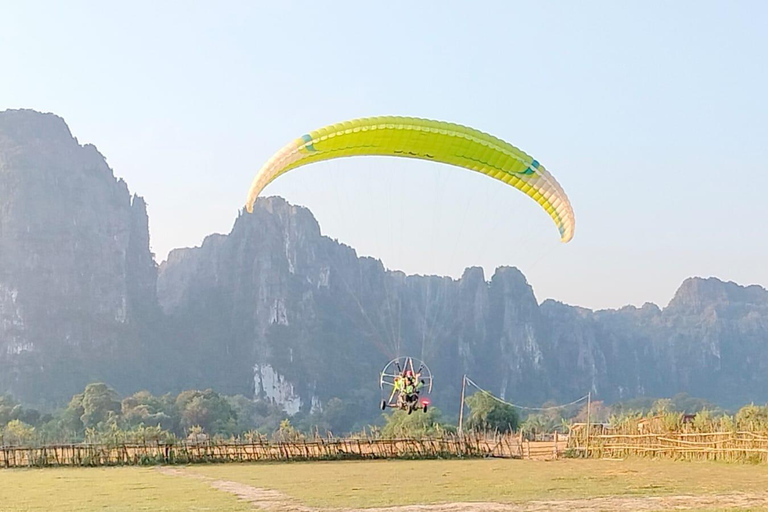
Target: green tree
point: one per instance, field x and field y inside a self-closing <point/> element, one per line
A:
<point x="99" y="400"/>
<point x="703" y="421"/>
<point x="7" y="406"/>
<point x="487" y="413"/>
<point x="726" y="423"/>
<point x="28" y="416"/>
<point x="11" y="410"/>
<point x="752" y="418"/>
<point x="533" y="425"/>
<point x="145" y="409"/>
<point x="553" y="415"/>
<point x="71" y="417"/>
<point x="598" y="412"/>
<point x="245" y="411"/>
<point x="639" y="405"/>
<point x="267" y="416"/>
<point x="400" y="424"/>
<point x="18" y="433"/>
<point x="206" y="409"/>
<point x="339" y="415"/>
<point x="56" y="431"/>
<point x="151" y="434"/>
<point x="286" y="433"/>
<point x="672" y="421"/>
<point x="684" y="403"/>
<point x="663" y="406"/>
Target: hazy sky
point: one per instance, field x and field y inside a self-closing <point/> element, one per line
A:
<point x="652" y="115"/>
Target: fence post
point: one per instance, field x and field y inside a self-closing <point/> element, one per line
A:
<point x="461" y="408"/>
<point x="554" y="450"/>
<point x="589" y="406"/>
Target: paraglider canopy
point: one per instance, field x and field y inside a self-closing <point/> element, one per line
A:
<point x="409" y="137"/>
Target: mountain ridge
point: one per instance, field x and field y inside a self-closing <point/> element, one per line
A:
<point x="275" y="308"/>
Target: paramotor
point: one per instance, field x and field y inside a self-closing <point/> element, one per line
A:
<point x="405" y="383"/>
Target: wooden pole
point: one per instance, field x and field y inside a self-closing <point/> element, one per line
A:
<point x="461" y="408"/>
<point x="589" y="407"/>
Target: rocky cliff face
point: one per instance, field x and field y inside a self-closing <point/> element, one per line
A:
<point x="281" y="309"/>
<point x="278" y="310"/>
<point x="711" y="340"/>
<point x="74" y="260"/>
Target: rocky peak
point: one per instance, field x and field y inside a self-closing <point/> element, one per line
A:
<point x="278" y="210"/>
<point x="25" y="126"/>
<point x="511" y="284"/>
<point x="472" y="275"/>
<point x="74" y="255"/>
<point x="697" y="294"/>
<point x="552" y="306"/>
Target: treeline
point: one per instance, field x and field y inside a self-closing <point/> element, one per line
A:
<point x="100" y="415"/>
<point x="679" y="413"/>
<point x="560" y="418"/>
<point x="667" y="416"/>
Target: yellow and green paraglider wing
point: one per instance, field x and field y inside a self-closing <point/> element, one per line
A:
<point x="427" y="140"/>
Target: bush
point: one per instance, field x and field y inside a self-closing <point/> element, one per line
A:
<point x="18" y="433"/>
<point x="487" y="413"/>
<point x="400" y="424"/>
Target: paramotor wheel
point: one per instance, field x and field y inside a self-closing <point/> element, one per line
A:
<point x="383" y="405"/>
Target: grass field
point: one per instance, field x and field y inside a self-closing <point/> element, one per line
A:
<point x="356" y="485"/>
<point x="113" y="489"/>
<point x="388" y="483"/>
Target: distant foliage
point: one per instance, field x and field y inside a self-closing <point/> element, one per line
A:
<point x="417" y="425"/>
<point x="533" y="425"/>
<point x="287" y="433"/>
<point x="143" y="408"/>
<point x="98" y="402"/>
<point x="599" y="412"/>
<point x="487" y="413"/>
<point x="98" y="415"/>
<point x="18" y="433"/>
<point x="681" y="402"/>
<point x="206" y="409"/>
<point x="750" y="418"/>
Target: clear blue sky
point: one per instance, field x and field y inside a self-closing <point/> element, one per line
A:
<point x="653" y="116"/>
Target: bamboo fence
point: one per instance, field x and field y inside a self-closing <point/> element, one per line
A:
<point x="467" y="446"/>
<point x="721" y="446"/>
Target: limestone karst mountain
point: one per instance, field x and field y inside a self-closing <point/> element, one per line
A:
<point x="275" y="308"/>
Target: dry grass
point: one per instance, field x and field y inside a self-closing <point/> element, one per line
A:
<point x="108" y="489"/>
<point x="613" y="485"/>
<point x="391" y="483"/>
